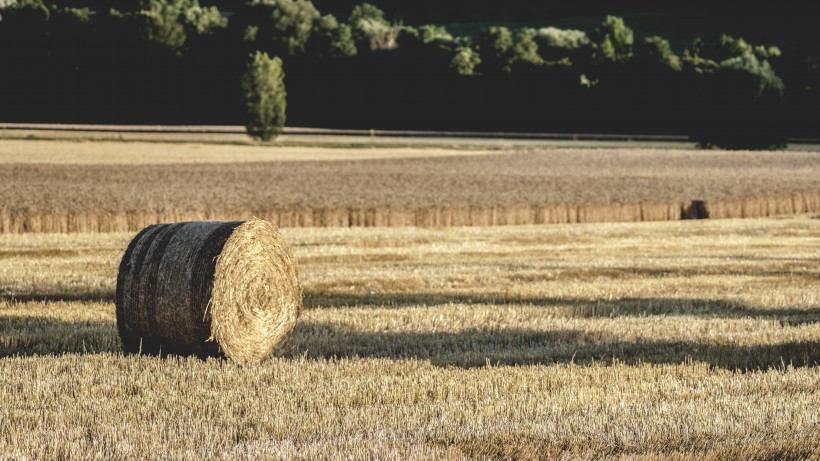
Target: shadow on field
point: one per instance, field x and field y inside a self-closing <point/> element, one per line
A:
<point x="477" y="347"/>
<point x="58" y="297"/>
<point x="42" y="335"/>
<point x="25" y="336"/>
<point x="560" y="307"/>
<point x="568" y="307"/>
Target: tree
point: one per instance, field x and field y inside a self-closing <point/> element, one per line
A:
<point x="170" y="22"/>
<point x="330" y="38"/>
<point x="371" y="28"/>
<point x="744" y="95"/>
<point x="613" y="41"/>
<point x="431" y="33"/>
<point x="281" y="27"/>
<point x="526" y="48"/>
<point x="265" y="98"/>
<point x="465" y="60"/>
<point x="496" y="47"/>
<point x="555" y="44"/>
<point x="655" y="51"/>
<point x="6" y="4"/>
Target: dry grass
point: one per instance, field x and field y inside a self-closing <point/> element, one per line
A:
<point x="680" y="340"/>
<point x="32" y="151"/>
<point x="442" y="188"/>
<point x="501" y="179"/>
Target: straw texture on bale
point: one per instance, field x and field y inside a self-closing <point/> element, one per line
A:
<point x="208" y="289"/>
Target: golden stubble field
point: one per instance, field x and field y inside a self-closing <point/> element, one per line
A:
<point x="672" y="340"/>
<point x="76" y="186"/>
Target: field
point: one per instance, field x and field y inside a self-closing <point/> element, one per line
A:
<point x="671" y="340"/>
<point x="668" y="340"/>
<point x="70" y="186"/>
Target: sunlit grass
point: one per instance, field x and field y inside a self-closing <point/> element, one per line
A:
<point x="682" y="340"/>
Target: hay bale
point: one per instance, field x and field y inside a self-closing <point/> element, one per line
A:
<point x="208" y="289"/>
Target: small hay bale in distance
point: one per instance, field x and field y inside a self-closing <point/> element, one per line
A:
<point x="207" y="288"/>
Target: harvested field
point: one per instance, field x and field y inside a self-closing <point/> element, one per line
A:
<point x="16" y="151"/>
<point x="88" y="189"/>
<point x="674" y="340"/>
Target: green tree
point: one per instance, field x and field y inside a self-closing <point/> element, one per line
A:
<point x="745" y="94"/>
<point x="265" y="97"/>
<point x="501" y="49"/>
<point x="743" y="67"/>
<point x="280" y="26"/>
<point x="6" y="3"/>
<point x="569" y="39"/>
<point x="330" y="38"/>
<point x="563" y="46"/>
<point x="366" y="12"/>
<point x="496" y="47"/>
<point x="170" y="22"/>
<point x="432" y="33"/>
<point x="526" y="48"/>
<point x="612" y="41"/>
<point x="465" y="60"/>
<point x="653" y="51"/>
<point x="27" y="12"/>
<point x="372" y="29"/>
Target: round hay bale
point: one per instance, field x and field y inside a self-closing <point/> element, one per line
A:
<point x="207" y="289"/>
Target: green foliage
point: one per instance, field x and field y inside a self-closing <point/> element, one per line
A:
<point x="569" y="39"/>
<point x="728" y="47"/>
<point x="202" y="20"/>
<point x="329" y="38"/>
<point x="371" y="28"/>
<point x="169" y="22"/>
<point x="265" y="98"/>
<point x="282" y="26"/>
<point x="496" y="47"/>
<point x="525" y="48"/>
<point x="612" y="41"/>
<point x="342" y="43"/>
<point x="694" y="62"/>
<point x="251" y="33"/>
<point x="562" y="47"/>
<point x="28" y="11"/>
<point x="769" y="88"/>
<point x="734" y="58"/>
<point x="739" y="81"/>
<point x="465" y="60"/>
<point x="431" y="33"/>
<point x="501" y="49"/>
<point x="366" y="12"/>
<point x="657" y="51"/>
<point x="82" y="47"/>
<point x="6" y="4"/>
<point x="80" y="15"/>
<point x="162" y="24"/>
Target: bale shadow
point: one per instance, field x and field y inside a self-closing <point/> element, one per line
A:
<point x="475" y="347"/>
<point x="38" y="335"/>
<point x="58" y="297"/>
<point x="478" y="347"/>
<point x="28" y="336"/>
<point x="568" y="307"/>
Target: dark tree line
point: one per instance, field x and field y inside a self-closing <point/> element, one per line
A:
<point x="181" y="61"/>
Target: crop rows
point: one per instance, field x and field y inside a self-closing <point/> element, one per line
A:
<point x="52" y="194"/>
<point x="21" y="221"/>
